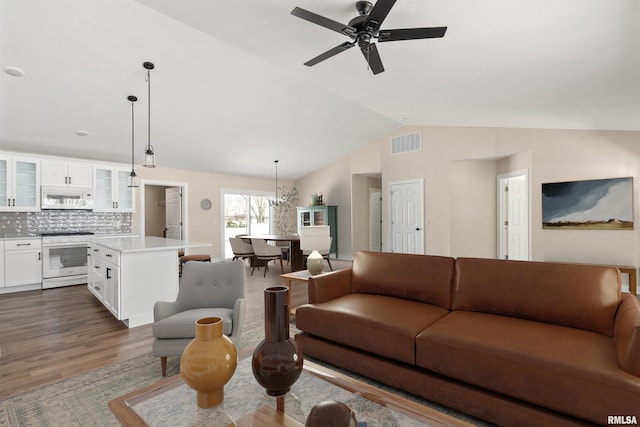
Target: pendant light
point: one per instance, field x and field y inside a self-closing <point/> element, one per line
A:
<point x="275" y="202"/>
<point x="133" y="178"/>
<point x="149" y="155"/>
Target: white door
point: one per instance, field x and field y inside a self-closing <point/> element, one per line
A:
<point x="375" y="220"/>
<point x="173" y="197"/>
<point x="407" y="218"/>
<point x="514" y="220"/>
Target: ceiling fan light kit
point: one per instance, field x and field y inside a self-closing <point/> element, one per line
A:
<point x="363" y="29"/>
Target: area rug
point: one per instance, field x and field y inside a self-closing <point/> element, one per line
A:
<point x="83" y="400"/>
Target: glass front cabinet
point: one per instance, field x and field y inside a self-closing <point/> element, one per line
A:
<point x="321" y="215"/>
<point x="19" y="184"/>
<point x="111" y="191"/>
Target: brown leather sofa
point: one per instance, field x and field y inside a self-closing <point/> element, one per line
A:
<point x="510" y="342"/>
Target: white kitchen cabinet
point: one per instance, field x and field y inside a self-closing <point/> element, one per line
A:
<point x="2" y="282"/>
<point x="104" y="277"/>
<point x="19" y="183"/>
<point x="67" y="174"/>
<point x="111" y="192"/>
<point x="23" y="262"/>
<point x="129" y="274"/>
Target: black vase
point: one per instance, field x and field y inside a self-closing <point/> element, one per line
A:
<point x="277" y="360"/>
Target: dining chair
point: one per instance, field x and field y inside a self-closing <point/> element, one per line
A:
<point x="265" y="252"/>
<point x="240" y="248"/>
<point x="316" y="238"/>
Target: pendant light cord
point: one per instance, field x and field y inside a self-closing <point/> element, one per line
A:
<point x="149" y="108"/>
<point x="132" y="134"/>
<point x="276" y="162"/>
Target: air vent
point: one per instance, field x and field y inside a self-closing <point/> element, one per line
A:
<point x="406" y="143"/>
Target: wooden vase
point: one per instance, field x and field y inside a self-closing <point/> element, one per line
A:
<point x="277" y="360"/>
<point x="208" y="362"/>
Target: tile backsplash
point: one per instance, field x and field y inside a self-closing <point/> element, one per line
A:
<point x="33" y="223"/>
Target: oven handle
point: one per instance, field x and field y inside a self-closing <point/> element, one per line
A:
<point x="55" y="245"/>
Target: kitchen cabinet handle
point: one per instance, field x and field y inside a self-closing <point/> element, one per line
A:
<point x="69" y="180"/>
<point x="96" y="250"/>
<point x="14" y="202"/>
<point x="39" y="256"/>
<point x="109" y="255"/>
<point x="96" y="267"/>
<point x="23" y="244"/>
<point x="97" y="288"/>
<point x="108" y="273"/>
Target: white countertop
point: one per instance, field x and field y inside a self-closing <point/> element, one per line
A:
<point x="145" y="243"/>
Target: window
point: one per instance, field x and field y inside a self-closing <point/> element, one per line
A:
<point x="245" y="213"/>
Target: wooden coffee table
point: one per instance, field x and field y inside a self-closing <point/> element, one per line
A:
<point x="171" y="402"/>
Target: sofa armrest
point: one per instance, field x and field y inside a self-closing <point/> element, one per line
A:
<point x="162" y="309"/>
<point x="627" y="334"/>
<point x="329" y="286"/>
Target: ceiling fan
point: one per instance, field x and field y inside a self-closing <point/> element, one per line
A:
<point x="363" y="29"/>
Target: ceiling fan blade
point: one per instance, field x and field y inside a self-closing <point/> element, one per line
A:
<point x="322" y="21"/>
<point x="378" y="13"/>
<point x="373" y="58"/>
<point x="411" y="34"/>
<point x="328" y="54"/>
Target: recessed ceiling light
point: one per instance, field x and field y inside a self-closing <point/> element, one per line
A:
<point x="82" y="133"/>
<point x="14" y="71"/>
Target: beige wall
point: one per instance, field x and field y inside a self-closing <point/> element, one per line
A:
<point x="335" y="183"/>
<point x="459" y="167"/>
<point x="203" y="225"/>
<point x="154" y="205"/>
<point x="473" y="208"/>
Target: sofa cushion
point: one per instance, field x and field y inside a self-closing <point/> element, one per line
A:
<point x="378" y="324"/>
<point x="421" y="278"/>
<point x="575" y="295"/>
<point x="183" y="324"/>
<point x="569" y="370"/>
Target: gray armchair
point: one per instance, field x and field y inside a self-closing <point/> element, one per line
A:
<point x="206" y="290"/>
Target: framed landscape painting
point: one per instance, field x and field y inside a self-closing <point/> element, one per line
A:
<point x="597" y="204"/>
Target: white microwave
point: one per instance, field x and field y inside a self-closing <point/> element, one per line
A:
<point x="66" y="198"/>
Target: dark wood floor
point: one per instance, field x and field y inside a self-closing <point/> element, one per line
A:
<point x="52" y="334"/>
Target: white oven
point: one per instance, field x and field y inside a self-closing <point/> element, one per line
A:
<point x="64" y="260"/>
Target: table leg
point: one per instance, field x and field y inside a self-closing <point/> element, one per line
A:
<point x="297" y="260"/>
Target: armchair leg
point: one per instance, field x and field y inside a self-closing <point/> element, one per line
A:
<point x="281" y="267"/>
<point x="163" y="363"/>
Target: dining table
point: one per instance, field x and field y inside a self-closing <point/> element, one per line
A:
<point x="296" y="259"/>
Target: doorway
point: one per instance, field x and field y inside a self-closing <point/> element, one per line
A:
<point x="407" y="216"/>
<point x="163" y="209"/>
<point x="375" y="219"/>
<point x="513" y="216"/>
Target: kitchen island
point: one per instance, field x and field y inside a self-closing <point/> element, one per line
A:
<point x="129" y="274"/>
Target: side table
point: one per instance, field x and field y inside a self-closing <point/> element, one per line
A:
<point x="301" y="276"/>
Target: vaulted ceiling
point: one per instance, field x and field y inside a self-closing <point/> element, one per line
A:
<point x="230" y="93"/>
